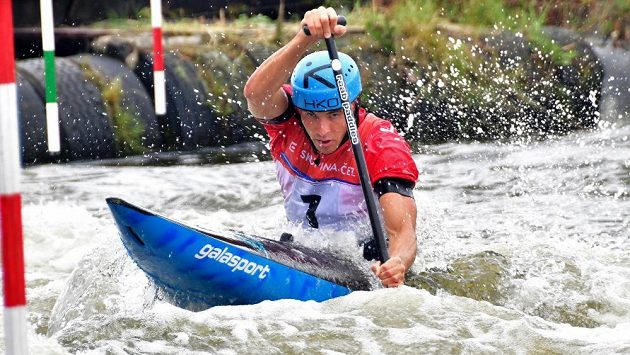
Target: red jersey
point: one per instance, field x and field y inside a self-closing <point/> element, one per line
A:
<point x="325" y="190"/>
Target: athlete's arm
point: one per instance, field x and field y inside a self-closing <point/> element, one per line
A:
<point x="263" y="91"/>
<point x="399" y="214"/>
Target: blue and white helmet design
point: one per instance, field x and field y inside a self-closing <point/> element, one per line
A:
<point x="313" y="82"/>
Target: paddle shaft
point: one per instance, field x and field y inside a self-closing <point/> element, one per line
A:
<point x="353" y="131"/>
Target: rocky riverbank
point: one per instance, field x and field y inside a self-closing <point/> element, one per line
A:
<point x="437" y="83"/>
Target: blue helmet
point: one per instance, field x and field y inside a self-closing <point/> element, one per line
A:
<point x="313" y="82"/>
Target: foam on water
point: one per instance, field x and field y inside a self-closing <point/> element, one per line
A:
<point x="554" y="215"/>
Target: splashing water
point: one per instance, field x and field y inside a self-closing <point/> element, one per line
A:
<point x="523" y="246"/>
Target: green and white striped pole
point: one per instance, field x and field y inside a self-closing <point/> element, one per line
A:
<point x="48" y="44"/>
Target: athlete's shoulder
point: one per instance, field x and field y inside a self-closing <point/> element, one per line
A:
<point x="374" y="127"/>
<point x="289" y="112"/>
<point x="388" y="154"/>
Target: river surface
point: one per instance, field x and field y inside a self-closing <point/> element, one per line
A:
<point x="525" y="248"/>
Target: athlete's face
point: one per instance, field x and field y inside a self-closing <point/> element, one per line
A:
<point x="326" y="129"/>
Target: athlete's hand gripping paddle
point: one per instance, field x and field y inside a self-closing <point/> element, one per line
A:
<point x="353" y="131"/>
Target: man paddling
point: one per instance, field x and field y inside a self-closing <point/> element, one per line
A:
<point x="310" y="146"/>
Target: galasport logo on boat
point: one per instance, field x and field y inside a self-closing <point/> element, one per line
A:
<point x="236" y="262"/>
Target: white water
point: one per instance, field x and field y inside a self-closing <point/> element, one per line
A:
<point x="558" y="212"/>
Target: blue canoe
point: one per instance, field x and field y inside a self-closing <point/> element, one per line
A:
<point x="198" y="268"/>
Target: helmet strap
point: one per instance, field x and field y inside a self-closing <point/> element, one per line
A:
<point x="343" y="140"/>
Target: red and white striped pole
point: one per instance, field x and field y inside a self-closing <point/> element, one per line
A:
<point x="159" y="86"/>
<point x="10" y="199"/>
<point x="48" y="45"/>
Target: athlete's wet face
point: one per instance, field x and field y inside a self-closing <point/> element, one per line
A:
<point x="326" y="129"/>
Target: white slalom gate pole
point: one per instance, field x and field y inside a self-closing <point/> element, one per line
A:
<point x="159" y="85"/>
<point x="48" y="44"/>
<point x="10" y="199"/>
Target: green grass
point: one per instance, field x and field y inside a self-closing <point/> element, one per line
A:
<point x="128" y="131"/>
<point x="414" y="22"/>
